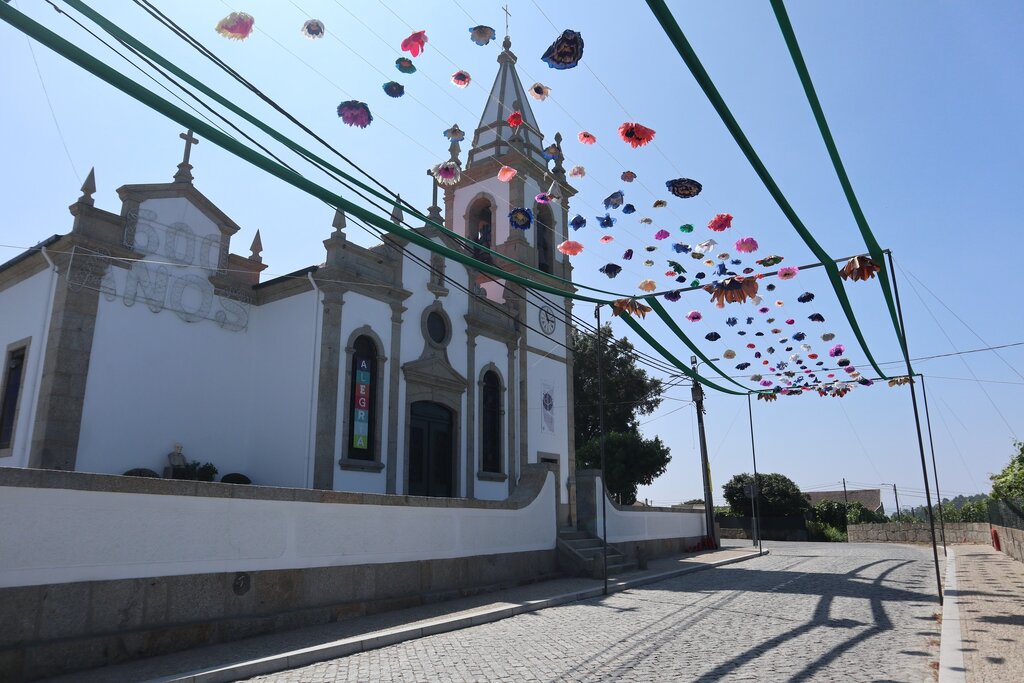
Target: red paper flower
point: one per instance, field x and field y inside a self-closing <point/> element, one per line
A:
<point x="635" y="134"/>
<point x="570" y="247"/>
<point x="720" y="223"/>
<point x="515" y="119"/>
<point x="415" y="44"/>
<point x="586" y="138"/>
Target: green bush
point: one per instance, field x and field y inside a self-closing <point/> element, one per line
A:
<point x="820" y="531"/>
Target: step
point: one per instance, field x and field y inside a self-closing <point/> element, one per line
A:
<point x="573" y="535"/>
<point x="621" y="568"/>
<point x="585" y="543"/>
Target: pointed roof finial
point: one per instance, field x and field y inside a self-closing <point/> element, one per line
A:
<point x="256" y="248"/>
<point x="339" y="223"/>
<point x="184" y="174"/>
<point x="88" y="188"/>
<point x="397" y="216"/>
<point x="558" y="169"/>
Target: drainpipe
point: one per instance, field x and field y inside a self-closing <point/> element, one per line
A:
<point x="313" y="380"/>
<point x="44" y="333"/>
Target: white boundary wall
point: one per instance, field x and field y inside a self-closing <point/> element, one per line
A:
<point x="61" y="535"/>
<point x="640" y="525"/>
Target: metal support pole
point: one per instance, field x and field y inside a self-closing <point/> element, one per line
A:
<point x="917" y="422"/>
<point x="935" y="469"/>
<point x="899" y="515"/>
<point x="600" y="418"/>
<point x="846" y="504"/>
<point x="697" y="393"/>
<point x="756" y="490"/>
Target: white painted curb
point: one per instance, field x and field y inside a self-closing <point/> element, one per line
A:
<point x="951" y="655"/>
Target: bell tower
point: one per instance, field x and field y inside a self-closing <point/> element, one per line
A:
<point x="478" y="205"/>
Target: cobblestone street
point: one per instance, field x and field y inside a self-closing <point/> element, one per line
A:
<point x="823" y="612"/>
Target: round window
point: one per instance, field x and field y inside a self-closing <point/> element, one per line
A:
<point x="437" y="327"/>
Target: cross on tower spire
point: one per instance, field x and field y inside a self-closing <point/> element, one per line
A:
<point x="507" y="15"/>
<point x="184" y="174"/>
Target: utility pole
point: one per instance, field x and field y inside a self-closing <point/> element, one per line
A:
<point x="846" y="503"/>
<point x="899" y="515"/>
<point x="697" y="393"/>
<point x="600" y="417"/>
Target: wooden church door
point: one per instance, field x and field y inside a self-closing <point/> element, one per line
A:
<point x="431" y="450"/>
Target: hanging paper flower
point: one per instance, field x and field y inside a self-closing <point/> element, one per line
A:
<point x="605" y="239"/>
<point x="570" y="248"/>
<point x="683" y="188"/>
<point x="236" y="26"/>
<point x="586" y="138"/>
<point x="670" y="273"/>
<point x="788" y="272"/>
<point x="394" y="89"/>
<point x="674" y="295"/>
<point x="859" y="268"/>
<point x="481" y="35"/>
<point x="646" y="221"/>
<point x="828" y="336"/>
<point x="506" y="173"/>
<point x="694" y="316"/>
<point x="651" y="248"/>
<point x="720" y="222"/>
<point x="620" y="306"/>
<point x="577" y="172"/>
<point x="686" y="228"/>
<point x="660" y="204"/>
<point x="455" y="134"/>
<point x="461" y="79"/>
<point x="732" y="290"/>
<point x="635" y="134"/>
<point x="648" y="263"/>
<point x="680" y="248"/>
<point x="662" y="234"/>
<point x="614" y="200"/>
<point x="515" y="119"/>
<point x="799" y="336"/>
<point x="566" y="52"/>
<point x="520" y="218"/>
<point x="543" y="198"/>
<point x="647" y="286"/>
<point x="728" y="354"/>
<point x="704" y="247"/>
<point x="550" y="152"/>
<point x="313" y="29"/>
<point x="405" y="65"/>
<point x="742" y="366"/>
<point x="677" y="268"/>
<point x="628" y="208"/>
<point x="605" y="221"/>
<point x="539" y="91"/>
<point x="805" y="297"/>
<point x="747" y="245"/>
<point x="578" y="222"/>
<point x="446" y="173"/>
<point x="816" y="318"/>
<point x="355" y="113"/>
<point x="611" y="269"/>
<point x="628" y="176"/>
<point x="836" y="351"/>
<point x="712" y="336"/>
<point x="415" y="43"/>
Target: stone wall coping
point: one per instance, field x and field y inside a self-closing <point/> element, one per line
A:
<point x="530" y="485"/>
<point x="593" y="474"/>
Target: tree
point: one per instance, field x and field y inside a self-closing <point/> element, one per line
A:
<point x="778" y="496"/>
<point x="631" y="460"/>
<point x="858" y="514"/>
<point x="831" y="512"/>
<point x="628" y="391"/>
<point x="1010" y="482"/>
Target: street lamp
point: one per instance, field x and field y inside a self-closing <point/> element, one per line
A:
<point x="697" y="394"/>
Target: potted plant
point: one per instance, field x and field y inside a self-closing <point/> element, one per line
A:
<point x="205" y="472"/>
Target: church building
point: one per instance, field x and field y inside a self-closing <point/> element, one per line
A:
<point x="382" y="370"/>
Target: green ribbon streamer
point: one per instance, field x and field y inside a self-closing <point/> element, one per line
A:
<point x="118" y="33"/>
<point x="646" y="336"/>
<point x="826" y="133"/>
<point x="682" y="45"/>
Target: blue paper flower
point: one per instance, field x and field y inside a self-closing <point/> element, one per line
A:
<point x="629" y="208"/>
<point x="578" y="222"/>
<point x="566" y="52"/>
<point x="520" y="218"/>
<point x="481" y="35"/>
<point x="611" y="269"/>
<point x="605" y="221"/>
<point x="614" y="200"/>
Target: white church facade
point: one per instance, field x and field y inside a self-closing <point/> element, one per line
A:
<point x="381" y="370"/>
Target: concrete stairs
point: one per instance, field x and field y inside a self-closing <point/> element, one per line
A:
<point x="580" y="554"/>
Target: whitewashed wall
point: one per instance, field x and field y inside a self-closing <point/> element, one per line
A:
<point x="232" y="389"/>
<point x="69" y="535"/>
<point x="24" y="314"/>
<point x="637" y="525"/>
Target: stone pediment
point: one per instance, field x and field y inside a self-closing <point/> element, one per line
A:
<point x="434" y="371"/>
<point x="138" y="193"/>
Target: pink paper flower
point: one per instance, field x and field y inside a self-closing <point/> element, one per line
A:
<point x="415" y="43"/>
<point x="605" y="239"/>
<point x="577" y="172"/>
<point x="506" y="173"/>
<point x="236" y="26"/>
<point x="836" y="351"/>
<point x="721" y="222"/>
<point x="586" y="138"/>
<point x="662" y="234"/>
<point x="694" y="316"/>
<point x="570" y="247"/>
<point x="747" y="245"/>
<point x="788" y="272"/>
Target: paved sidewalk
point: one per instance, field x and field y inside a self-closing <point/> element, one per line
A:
<point x="278" y="651"/>
<point x="990" y="596"/>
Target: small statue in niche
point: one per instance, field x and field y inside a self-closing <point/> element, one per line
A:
<point x="179" y="466"/>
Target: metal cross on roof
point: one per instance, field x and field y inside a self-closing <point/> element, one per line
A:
<point x="507" y="15"/>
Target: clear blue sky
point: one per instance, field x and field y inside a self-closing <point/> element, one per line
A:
<point x="923" y="97"/>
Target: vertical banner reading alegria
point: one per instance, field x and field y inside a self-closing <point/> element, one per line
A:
<point x="361" y="409"/>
